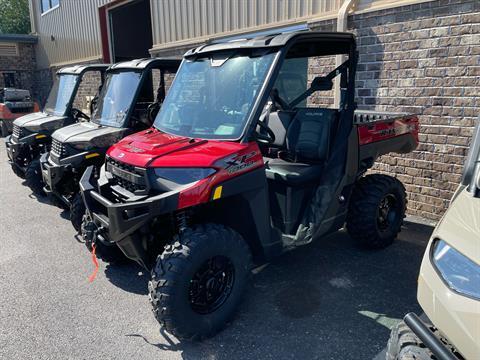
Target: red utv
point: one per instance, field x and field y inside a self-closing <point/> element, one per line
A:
<point x="14" y="103"/>
<point x="240" y="165"/>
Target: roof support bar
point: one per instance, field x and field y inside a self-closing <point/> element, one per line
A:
<point x="342" y="20"/>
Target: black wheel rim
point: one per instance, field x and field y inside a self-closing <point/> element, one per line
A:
<point x="388" y="212"/>
<point x="211" y="285"/>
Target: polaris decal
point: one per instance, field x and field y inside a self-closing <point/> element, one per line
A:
<point x="240" y="163"/>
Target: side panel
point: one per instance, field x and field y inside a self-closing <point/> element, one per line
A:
<point x="231" y="167"/>
<point x="387" y="129"/>
<point x="242" y="203"/>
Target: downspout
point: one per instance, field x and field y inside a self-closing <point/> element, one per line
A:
<point x="33" y="25"/>
<point x="342" y="20"/>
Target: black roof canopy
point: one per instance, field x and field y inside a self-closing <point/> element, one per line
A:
<point x="300" y="43"/>
<point x="81" y="69"/>
<point x="142" y="64"/>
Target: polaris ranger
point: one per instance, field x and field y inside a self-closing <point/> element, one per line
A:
<point x="14" y="103"/>
<point x="449" y="281"/>
<point x="242" y="165"/>
<point x="31" y="135"/>
<point x="127" y="103"/>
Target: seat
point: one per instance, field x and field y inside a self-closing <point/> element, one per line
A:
<point x="306" y="139"/>
<point x="292" y="173"/>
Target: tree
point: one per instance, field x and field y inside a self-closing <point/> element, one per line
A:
<point x="14" y="17"/>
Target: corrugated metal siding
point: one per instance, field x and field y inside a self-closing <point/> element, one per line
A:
<point x="181" y="20"/>
<point x="75" y="27"/>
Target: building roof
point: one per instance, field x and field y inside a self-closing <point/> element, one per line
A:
<point x="19" y="38"/>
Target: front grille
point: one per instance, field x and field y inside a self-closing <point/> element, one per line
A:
<point x="127" y="176"/>
<point x="17" y="131"/>
<point x="58" y="149"/>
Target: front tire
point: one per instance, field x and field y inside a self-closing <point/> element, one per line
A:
<point x="33" y="177"/>
<point x="405" y="345"/>
<point x="376" y="211"/>
<point x="18" y="172"/>
<point x="77" y="210"/>
<point x="198" y="281"/>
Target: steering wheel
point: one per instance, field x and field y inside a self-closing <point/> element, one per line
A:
<point x="152" y="111"/>
<point x="78" y="114"/>
<point x="266" y="137"/>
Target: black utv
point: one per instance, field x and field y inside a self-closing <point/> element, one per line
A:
<point x="128" y="102"/>
<point x="31" y="135"/>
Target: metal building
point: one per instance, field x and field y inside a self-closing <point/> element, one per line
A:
<point x="72" y="31"/>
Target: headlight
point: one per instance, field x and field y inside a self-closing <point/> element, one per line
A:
<point x="459" y="272"/>
<point x="183" y="176"/>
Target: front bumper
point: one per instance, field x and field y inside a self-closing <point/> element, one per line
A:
<point x="14" y="151"/>
<point x="428" y="338"/>
<point x="22" y="151"/>
<point x="455" y="315"/>
<point x="55" y="175"/>
<point x="52" y="175"/>
<point x="123" y="219"/>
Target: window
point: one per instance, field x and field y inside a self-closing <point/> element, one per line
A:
<point x="202" y="102"/>
<point x="116" y="98"/>
<point x="8" y="49"/>
<point x="49" y="4"/>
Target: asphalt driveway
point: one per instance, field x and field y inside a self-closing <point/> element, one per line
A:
<point x="327" y="300"/>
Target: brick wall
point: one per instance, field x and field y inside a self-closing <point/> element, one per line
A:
<point x="22" y="66"/>
<point x="88" y="88"/>
<point x="43" y="81"/>
<point x="423" y="59"/>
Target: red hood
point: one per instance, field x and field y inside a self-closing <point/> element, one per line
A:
<point x="157" y="149"/>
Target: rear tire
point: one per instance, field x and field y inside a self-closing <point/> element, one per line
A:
<point x="33" y="177"/>
<point x="405" y="345"/>
<point x="376" y="211"/>
<point x="198" y="281"/>
<point x="77" y="210"/>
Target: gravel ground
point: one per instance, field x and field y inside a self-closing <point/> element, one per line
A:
<point x="327" y="300"/>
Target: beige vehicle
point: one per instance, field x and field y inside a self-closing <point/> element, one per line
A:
<point x="449" y="281"/>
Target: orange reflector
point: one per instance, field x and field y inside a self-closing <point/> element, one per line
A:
<point x="88" y="156"/>
<point x="95" y="262"/>
<point x="218" y="193"/>
<point x="41" y="136"/>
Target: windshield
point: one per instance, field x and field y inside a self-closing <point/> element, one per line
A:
<point x="213" y="98"/>
<point x="115" y="98"/>
<point x="61" y="94"/>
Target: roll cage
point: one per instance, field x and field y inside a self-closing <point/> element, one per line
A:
<point x="144" y="66"/>
<point x="79" y="71"/>
<point x="288" y="46"/>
